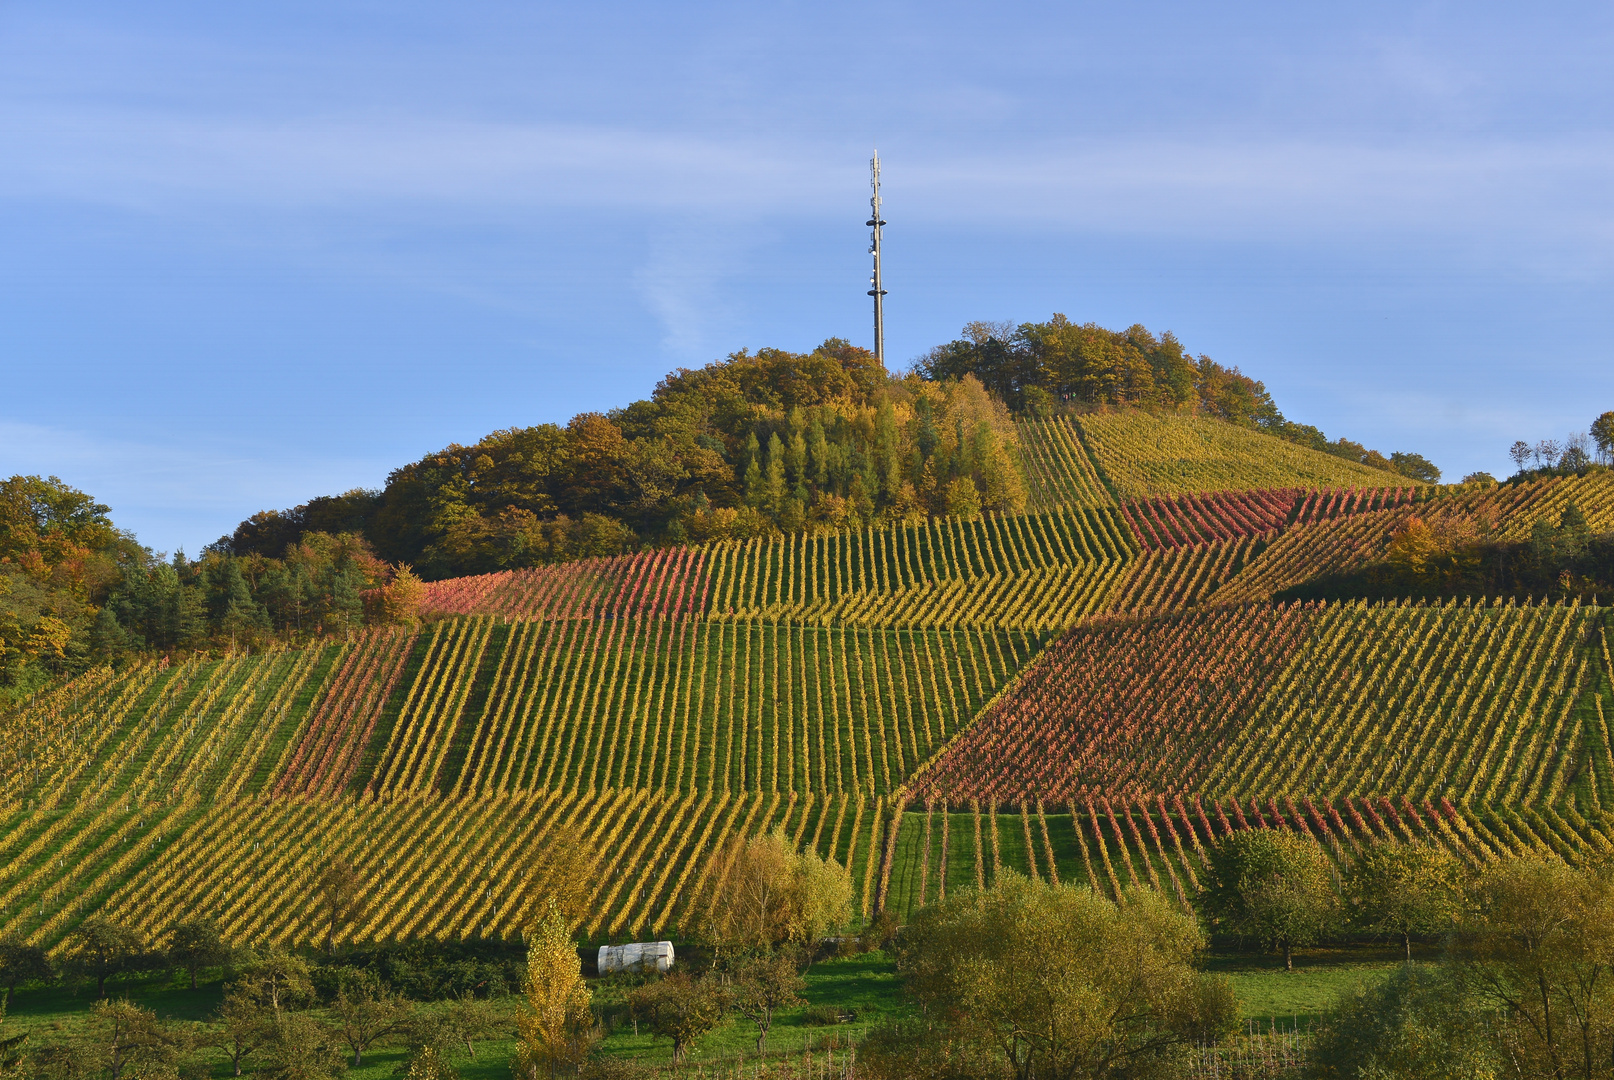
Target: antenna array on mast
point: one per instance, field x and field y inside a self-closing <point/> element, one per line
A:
<point x="875" y="289"/>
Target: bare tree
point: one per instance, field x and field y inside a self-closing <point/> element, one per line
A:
<point x="367" y="1011"/>
<point x="981" y="331"/>
<point x="1520" y="453"/>
<point x="1577" y="451"/>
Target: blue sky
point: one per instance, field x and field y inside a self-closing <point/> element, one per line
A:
<point x="251" y="253"/>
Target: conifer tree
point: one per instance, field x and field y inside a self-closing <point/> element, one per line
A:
<point x="776" y="474"/>
<point x="754" y="493"/>
<point x="817" y="453"/>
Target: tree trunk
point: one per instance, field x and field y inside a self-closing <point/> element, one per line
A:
<point x="193" y="978"/>
<point x="1288" y="957"/>
<point x="357" y="1058"/>
<point x="100" y="985"/>
<point x="1407" y="938"/>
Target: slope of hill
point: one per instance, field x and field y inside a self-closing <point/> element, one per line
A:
<point x="1094" y="690"/>
<point x="1059" y="470"/>
<point x="1143" y="454"/>
<point x="1476" y="704"/>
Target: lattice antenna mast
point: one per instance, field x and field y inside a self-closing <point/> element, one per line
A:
<point x="876" y="290"/>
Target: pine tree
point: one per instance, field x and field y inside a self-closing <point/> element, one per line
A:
<point x="776" y="475"/>
<point x="755" y="496"/>
<point x="817" y="454"/>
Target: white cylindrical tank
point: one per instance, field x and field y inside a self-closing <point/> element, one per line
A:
<point x="640" y="956"/>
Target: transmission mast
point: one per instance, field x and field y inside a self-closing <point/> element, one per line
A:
<point x="874" y="249"/>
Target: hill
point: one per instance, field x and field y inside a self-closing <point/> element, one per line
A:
<point x="923" y="636"/>
<point x="757" y="446"/>
<point x="1093" y="692"/>
<point x="778" y="442"/>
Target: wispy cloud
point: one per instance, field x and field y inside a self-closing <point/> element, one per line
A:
<point x="1551" y="190"/>
<point x="682" y="281"/>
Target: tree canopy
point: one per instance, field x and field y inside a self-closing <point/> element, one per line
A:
<point x="774" y="441"/>
<point x="1039" y="368"/>
<point x="1031" y="980"/>
<point x="1270" y="885"/>
<point x="749" y="445"/>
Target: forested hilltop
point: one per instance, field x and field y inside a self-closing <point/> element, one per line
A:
<point x="781" y="442"/>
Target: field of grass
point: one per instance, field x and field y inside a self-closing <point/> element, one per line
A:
<point x="1270" y="996"/>
<point x="866" y="986"/>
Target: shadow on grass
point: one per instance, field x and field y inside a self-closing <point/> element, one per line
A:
<point x="1269" y="994"/>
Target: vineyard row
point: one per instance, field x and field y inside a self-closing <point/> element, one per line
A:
<point x="434" y="868"/>
<point x="1486" y="703"/>
<point x="1163" y="842"/>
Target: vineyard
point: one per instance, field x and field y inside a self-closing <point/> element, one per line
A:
<point x="660" y="583"/>
<point x="1142" y="454"/>
<point x="812" y="573"/>
<point x="1059" y="471"/>
<point x="1470" y="702"/>
<point x="1094" y="690"/>
<point x="1162" y="842"/>
<point x="445" y="867"/>
<point x="684" y="706"/>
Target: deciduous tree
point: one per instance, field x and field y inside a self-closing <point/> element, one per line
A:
<point x="1540" y="948"/>
<point x="679" y="1008"/>
<point x="1602" y="433"/>
<point x="765" y="893"/>
<point x="554" y="1027"/>
<point x="101" y="949"/>
<point x="21" y="962"/>
<point x="1034" y="980"/>
<point x="1415" y="466"/>
<point x="366" y="1011"/>
<point x="129" y="1040"/>
<point x="277" y="978"/>
<point x="195" y="944"/>
<point x="1405" y="889"/>
<point x="762" y="987"/>
<point x="341" y="897"/>
<point x="242" y="1026"/>
<point x="1271" y="885"/>
<point x="301" y="1048"/>
<point x="1419" y="1024"/>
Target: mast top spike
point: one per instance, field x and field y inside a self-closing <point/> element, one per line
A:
<point x="877" y="291"/>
